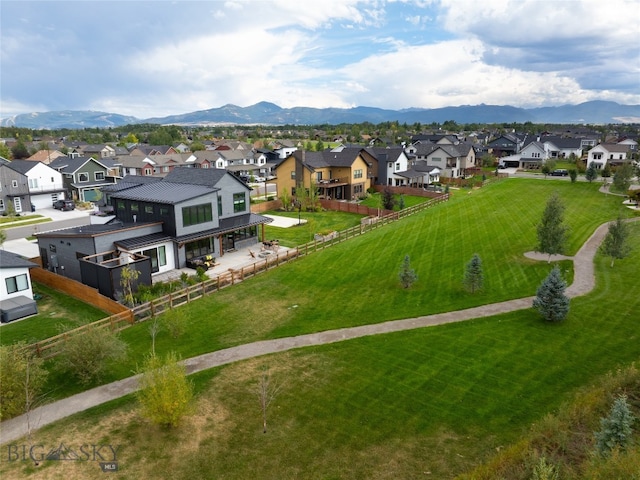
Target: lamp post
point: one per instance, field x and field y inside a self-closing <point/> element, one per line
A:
<point x="299" y="205"/>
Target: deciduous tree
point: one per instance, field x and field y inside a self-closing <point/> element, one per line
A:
<point x="550" y="301"/>
<point x="551" y="231"/>
<point x="22" y="378"/>
<point x="165" y="393"/>
<point x="622" y="177"/>
<point x="615" y="243"/>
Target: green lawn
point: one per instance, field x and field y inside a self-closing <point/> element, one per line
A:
<point x="438" y="400"/>
<point x="356" y="282"/>
<point x="315" y="222"/>
<point x="55" y="309"/>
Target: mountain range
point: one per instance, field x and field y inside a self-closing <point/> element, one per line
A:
<point x="265" y="113"/>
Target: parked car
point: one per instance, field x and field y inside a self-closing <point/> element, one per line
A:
<point x="64" y="205"/>
<point x="559" y="173"/>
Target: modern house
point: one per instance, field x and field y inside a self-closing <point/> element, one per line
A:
<point x="14" y="189"/>
<point x="84" y="177"/>
<point x="45" y="183"/>
<point x="158" y="225"/>
<point x="16" y="293"/>
<point x="344" y="175"/>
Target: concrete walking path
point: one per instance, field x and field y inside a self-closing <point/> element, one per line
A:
<point x="584" y="282"/>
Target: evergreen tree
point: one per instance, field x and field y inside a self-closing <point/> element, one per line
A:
<point x="591" y="173"/>
<point x="407" y="274"/>
<point x="615" y="244"/>
<point x="551" y="232"/>
<point x="473" y="276"/>
<point x="616" y="429"/>
<point x="550" y="301"/>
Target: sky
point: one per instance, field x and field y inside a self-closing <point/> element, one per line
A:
<point x="158" y="58"/>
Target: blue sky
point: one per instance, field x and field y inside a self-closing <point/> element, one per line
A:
<point x="160" y="58"/>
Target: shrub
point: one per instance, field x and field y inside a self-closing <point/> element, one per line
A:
<point x="87" y="354"/>
<point x="615" y="431"/>
<point x="165" y="391"/>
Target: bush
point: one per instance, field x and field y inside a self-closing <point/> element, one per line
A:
<point x="87" y="354"/>
<point x="165" y="391"/>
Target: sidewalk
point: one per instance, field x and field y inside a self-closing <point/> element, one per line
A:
<point x="584" y="282"/>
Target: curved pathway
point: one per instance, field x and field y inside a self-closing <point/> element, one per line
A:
<point x="584" y="282"/>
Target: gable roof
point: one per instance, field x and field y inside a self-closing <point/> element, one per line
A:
<point x="163" y="192"/>
<point x="71" y="165"/>
<point x="13" y="260"/>
<point x="22" y="166"/>
<point x="196" y="176"/>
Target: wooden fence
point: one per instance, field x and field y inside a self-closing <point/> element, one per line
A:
<point x="52" y="346"/>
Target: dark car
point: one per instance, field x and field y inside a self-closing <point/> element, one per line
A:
<point x="64" y="205"/>
<point x="559" y="173"/>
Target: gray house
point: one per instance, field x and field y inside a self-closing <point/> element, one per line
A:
<point x="160" y="225"/>
<point x="14" y="189"/>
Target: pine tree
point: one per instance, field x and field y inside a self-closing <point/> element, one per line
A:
<point x="551" y="232"/>
<point x="550" y="301"/>
<point x="473" y="276"/>
<point x="615" y="244"/>
<point x="591" y="173"/>
<point x="407" y="274"/>
<point x="615" y="430"/>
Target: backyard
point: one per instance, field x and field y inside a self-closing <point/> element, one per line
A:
<point x="437" y="400"/>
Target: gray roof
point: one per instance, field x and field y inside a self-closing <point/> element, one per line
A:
<point x="13" y="260"/>
<point x="22" y="166"/>
<point x="71" y="165"/>
<point x="164" y="192"/>
<point x="143" y="241"/>
<point x="130" y="181"/>
<point x="195" y="176"/>
<point x="227" y="225"/>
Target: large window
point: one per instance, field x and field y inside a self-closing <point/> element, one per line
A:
<point x="197" y="214"/>
<point x="239" y="202"/>
<point x="357" y="173"/>
<point x="199" y="248"/>
<point x="83" y="177"/>
<point x="17" y="283"/>
<point x="99" y="176"/>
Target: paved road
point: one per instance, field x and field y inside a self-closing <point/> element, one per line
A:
<point x="584" y="282"/>
<point x="59" y="219"/>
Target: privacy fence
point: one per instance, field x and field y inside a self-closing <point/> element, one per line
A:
<point x="53" y="346"/>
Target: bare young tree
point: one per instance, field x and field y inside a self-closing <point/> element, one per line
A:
<point x="266" y="390"/>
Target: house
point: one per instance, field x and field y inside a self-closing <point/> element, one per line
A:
<point x="98" y="151"/>
<point x="46" y="156"/>
<point x="45" y="183"/>
<point x="561" y="147"/>
<point x="607" y="153"/>
<point x="344" y="175"/>
<point x="14" y="189"/>
<point x="506" y="144"/>
<point x="159" y="224"/>
<point x="452" y="161"/>
<point x="146" y="150"/>
<point x="15" y="287"/>
<point x="532" y="156"/>
<point x="84" y="177"/>
<point x="396" y="169"/>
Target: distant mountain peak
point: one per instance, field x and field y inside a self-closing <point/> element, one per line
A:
<point x="267" y="113"/>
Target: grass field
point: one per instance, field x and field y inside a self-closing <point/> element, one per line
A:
<point x="436" y="400"/>
<point x="356" y="282"/>
<point x="55" y="310"/>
